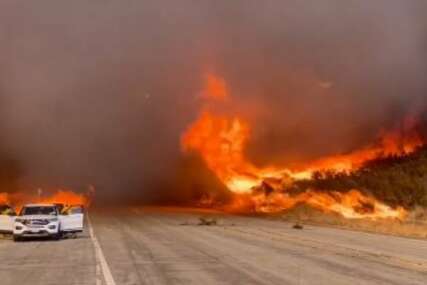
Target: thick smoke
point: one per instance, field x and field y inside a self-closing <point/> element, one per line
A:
<point x="98" y="92"/>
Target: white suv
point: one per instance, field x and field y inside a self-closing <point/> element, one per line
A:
<point x="45" y="220"/>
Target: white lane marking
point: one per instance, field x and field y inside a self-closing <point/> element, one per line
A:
<point x="108" y="277"/>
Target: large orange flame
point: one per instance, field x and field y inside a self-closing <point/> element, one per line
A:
<point x="351" y="205"/>
<point x="221" y="140"/>
<point x="66" y="197"/>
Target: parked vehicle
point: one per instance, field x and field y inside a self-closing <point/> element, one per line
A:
<point x="45" y="220"/>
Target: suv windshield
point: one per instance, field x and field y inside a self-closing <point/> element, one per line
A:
<point x="38" y="211"/>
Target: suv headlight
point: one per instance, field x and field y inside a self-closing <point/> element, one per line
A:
<point x="19" y="220"/>
<point x="53" y="220"/>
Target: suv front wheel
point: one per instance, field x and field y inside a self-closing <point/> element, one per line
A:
<point x="57" y="236"/>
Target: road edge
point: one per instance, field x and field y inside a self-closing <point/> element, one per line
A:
<point x="99" y="254"/>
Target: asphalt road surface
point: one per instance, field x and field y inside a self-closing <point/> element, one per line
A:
<point x="152" y="246"/>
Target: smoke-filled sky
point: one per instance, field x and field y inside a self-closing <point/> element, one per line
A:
<point x="98" y="92"/>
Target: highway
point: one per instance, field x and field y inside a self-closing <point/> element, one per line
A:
<point x="168" y="246"/>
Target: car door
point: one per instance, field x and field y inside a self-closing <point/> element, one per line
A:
<point x="7" y="217"/>
<point x="72" y="219"/>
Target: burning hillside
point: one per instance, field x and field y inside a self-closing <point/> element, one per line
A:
<point x="221" y="140"/>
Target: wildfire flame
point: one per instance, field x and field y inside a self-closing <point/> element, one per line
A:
<point x="392" y="142"/>
<point x="216" y="88"/>
<point x="221" y="141"/>
<point x="351" y="205"/>
<point x="4" y="198"/>
<point x="66" y="197"/>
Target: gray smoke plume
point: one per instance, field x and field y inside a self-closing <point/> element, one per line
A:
<point x="98" y="92"/>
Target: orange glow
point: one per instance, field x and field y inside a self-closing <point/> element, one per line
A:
<point x="66" y="197"/>
<point x="215" y="88"/>
<point x="221" y="141"/>
<point x="4" y="199"/>
<point x="351" y="205"/>
<point x="390" y="143"/>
